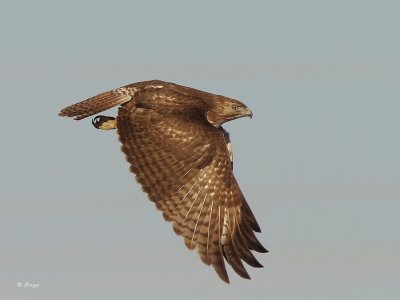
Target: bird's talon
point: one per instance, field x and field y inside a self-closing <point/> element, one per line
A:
<point x="104" y="122"/>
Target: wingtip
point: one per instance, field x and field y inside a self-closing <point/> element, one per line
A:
<point x="221" y="271"/>
<point x="226" y="280"/>
<point x="254" y="263"/>
<point x="262" y="249"/>
<point x="64" y="113"/>
<point x="246" y="276"/>
<point x="223" y="276"/>
<point x="255" y="226"/>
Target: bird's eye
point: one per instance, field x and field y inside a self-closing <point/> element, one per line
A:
<point x="235" y="107"/>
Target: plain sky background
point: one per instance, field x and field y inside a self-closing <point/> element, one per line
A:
<point x="319" y="162"/>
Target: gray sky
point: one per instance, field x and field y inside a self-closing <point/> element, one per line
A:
<point x="319" y="162"/>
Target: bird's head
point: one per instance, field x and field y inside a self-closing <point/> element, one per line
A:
<point x="224" y="109"/>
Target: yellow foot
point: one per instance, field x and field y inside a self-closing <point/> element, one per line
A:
<point x="104" y="122"/>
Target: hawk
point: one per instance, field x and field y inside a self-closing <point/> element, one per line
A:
<point x="175" y="144"/>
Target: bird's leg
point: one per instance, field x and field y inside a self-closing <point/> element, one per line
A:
<point x="104" y="122"/>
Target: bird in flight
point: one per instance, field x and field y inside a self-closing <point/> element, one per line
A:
<point x="174" y="142"/>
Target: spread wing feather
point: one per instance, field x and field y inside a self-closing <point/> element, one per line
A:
<point x="95" y="104"/>
<point x="183" y="164"/>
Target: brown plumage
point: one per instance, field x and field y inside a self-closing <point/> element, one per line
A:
<point x="173" y="139"/>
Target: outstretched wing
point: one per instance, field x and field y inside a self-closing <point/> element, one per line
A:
<point x="183" y="164"/>
<point x="97" y="104"/>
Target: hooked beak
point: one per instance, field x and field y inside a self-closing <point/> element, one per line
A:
<point x="249" y="113"/>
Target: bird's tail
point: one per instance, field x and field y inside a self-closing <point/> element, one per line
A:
<point x="95" y="105"/>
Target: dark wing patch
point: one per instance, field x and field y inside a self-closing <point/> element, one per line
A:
<point x="184" y="166"/>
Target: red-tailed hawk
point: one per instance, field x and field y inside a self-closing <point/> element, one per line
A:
<point x="173" y="139"/>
